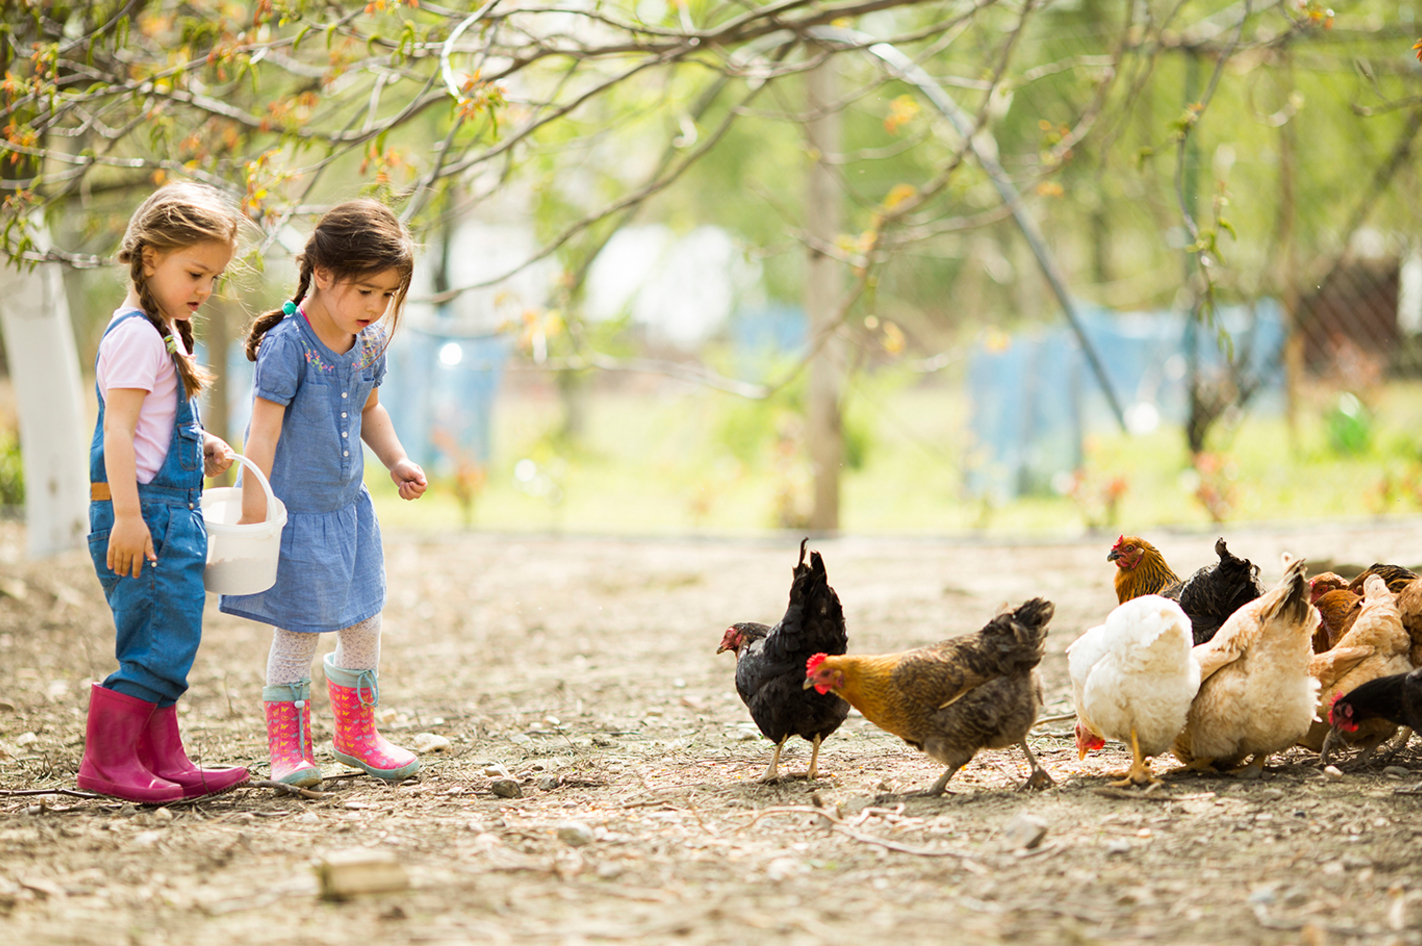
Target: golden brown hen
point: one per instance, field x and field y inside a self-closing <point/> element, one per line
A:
<point x="1375" y="646"/>
<point x="978" y="691"/>
<point x="1338" y="608"/>
<point x="1140" y="569"/>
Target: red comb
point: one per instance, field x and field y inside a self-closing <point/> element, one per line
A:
<point x="1119" y="539"/>
<point x="814" y="662"/>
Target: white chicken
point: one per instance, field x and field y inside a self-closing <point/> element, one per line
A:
<point x="1133" y="679"/>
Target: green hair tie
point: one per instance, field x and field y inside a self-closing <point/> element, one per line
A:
<point x="288" y="308"/>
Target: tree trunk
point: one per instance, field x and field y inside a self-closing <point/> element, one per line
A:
<point x="44" y="367"/>
<point x="823" y="288"/>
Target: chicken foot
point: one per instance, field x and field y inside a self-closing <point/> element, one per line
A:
<point x="1040" y="778"/>
<point x="1139" y="773"/>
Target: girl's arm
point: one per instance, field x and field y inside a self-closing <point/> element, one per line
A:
<point x="262" y="440"/>
<point x="379" y="434"/>
<point x="216" y="454"/>
<point x="130" y="541"/>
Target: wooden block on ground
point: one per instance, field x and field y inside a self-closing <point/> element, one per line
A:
<point x="345" y="874"/>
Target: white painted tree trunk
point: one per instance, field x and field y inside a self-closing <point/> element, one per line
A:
<point x="824" y="286"/>
<point x="44" y="367"/>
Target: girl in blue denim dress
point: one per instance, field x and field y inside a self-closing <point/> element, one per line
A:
<point x="320" y="360"/>
<point x="146" y="534"/>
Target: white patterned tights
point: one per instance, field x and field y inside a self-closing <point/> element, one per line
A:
<point x="357" y="648"/>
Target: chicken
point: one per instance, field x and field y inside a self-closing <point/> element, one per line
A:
<point x="1394" y="699"/>
<point x="1256" y="695"/>
<point x="1409" y="605"/>
<point x="770" y="664"/>
<point x="978" y="691"/>
<point x="1133" y="679"/>
<point x="1216" y="591"/>
<point x="1375" y="646"/>
<point x="1140" y="569"/>
<point x="1338" y="608"/>
<point x="1396" y="577"/>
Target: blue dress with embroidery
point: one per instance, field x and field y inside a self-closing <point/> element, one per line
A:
<point x="332" y="569"/>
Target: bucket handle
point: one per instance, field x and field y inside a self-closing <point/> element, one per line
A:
<point x="261" y="478"/>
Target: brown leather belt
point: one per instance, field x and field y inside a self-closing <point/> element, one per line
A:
<point x="99" y="493"/>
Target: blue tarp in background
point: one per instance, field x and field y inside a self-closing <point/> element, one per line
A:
<point x="1034" y="399"/>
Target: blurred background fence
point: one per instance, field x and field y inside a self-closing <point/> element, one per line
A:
<point x="1230" y="195"/>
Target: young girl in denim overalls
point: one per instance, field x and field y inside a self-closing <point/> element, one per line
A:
<point x="320" y="360"/>
<point x="146" y="470"/>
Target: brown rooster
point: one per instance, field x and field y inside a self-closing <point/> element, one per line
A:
<point x="1140" y="569"/>
<point x="978" y="691"/>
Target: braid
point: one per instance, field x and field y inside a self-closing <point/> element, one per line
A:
<point x="193" y="375"/>
<point x="270" y="320"/>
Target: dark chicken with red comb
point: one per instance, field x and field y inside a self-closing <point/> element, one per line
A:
<point x="770" y="664"/>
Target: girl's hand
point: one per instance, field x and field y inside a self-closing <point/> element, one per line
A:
<point x="130" y="543"/>
<point x="216" y="455"/>
<point x="410" y="478"/>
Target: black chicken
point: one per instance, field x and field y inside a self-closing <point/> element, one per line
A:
<point x="1214" y="592"/>
<point x="770" y="664"/>
<point x="1396" y="698"/>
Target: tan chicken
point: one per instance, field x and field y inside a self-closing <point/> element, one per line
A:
<point x="1409" y="605"/>
<point x="1257" y="696"/>
<point x="1375" y="646"/>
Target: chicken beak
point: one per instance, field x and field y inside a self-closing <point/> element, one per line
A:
<point x="809" y="682"/>
<point x="721" y="649"/>
<point x="1081" y="752"/>
<point x="1112" y="555"/>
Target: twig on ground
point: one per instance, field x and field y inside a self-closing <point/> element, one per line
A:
<point x="284" y="789"/>
<point x="1134" y="796"/>
<point x="50" y="791"/>
<point x="1053" y="719"/>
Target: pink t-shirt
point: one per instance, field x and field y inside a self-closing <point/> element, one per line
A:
<point x="134" y="355"/>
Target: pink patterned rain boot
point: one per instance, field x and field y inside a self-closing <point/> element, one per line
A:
<point x="111" y="765"/>
<point x="288" y="708"/>
<point x="357" y="743"/>
<point x="160" y="749"/>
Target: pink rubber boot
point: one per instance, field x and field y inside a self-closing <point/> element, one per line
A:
<point x="160" y="749"/>
<point x="288" y="709"/>
<point x="357" y="743"/>
<point x="111" y="765"/>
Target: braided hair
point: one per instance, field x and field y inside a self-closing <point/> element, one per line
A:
<point x="175" y="216"/>
<point x="353" y="240"/>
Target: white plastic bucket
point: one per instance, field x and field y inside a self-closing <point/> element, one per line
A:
<point x="241" y="559"/>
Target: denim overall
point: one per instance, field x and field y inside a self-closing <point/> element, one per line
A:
<point x="158" y="616"/>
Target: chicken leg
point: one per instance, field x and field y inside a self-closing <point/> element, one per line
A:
<point x="814" y="758"/>
<point x="772" y="771"/>
<point x="940" y="786"/>
<point x="1039" y="779"/>
<point x="1139" y="773"/>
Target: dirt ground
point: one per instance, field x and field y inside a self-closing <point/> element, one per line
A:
<point x="585" y="669"/>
